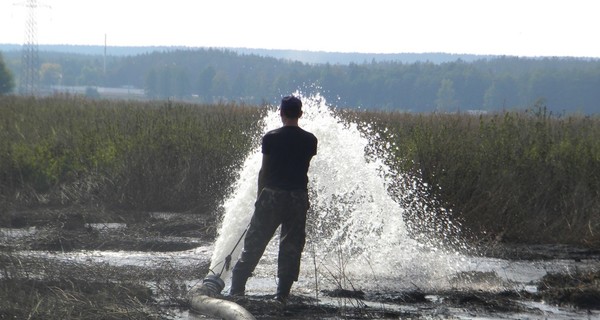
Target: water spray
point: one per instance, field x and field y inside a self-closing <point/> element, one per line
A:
<point x="212" y="284"/>
<point x="204" y="300"/>
<point x="358" y="211"/>
<point x="362" y="209"/>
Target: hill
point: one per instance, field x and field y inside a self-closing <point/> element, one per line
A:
<point x="312" y="57"/>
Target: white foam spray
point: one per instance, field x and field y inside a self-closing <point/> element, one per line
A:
<point x="356" y="234"/>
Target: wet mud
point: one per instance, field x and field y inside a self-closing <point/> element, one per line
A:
<point x="58" y="230"/>
<point x="159" y="291"/>
<point x="452" y="304"/>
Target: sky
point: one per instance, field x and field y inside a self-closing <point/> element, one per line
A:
<point x="496" y="27"/>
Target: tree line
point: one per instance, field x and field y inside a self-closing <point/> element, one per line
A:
<point x="7" y="82"/>
<point x="209" y="75"/>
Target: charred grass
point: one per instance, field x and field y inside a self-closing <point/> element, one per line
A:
<point x="39" y="288"/>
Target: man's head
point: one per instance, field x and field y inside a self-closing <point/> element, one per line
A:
<point x="291" y="107"/>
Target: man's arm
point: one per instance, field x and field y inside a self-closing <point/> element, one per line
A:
<point x="262" y="173"/>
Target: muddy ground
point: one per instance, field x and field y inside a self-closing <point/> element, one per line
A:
<point x="34" y="287"/>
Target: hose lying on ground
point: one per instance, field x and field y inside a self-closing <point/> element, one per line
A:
<point x="203" y="301"/>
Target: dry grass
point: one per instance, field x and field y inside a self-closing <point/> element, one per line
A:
<point x="518" y="176"/>
<point x="130" y="155"/>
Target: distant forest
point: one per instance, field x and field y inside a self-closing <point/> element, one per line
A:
<point x="563" y="85"/>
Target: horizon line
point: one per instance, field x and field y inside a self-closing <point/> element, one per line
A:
<point x="306" y="50"/>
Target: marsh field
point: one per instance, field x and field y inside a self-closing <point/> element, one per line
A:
<point x="95" y="176"/>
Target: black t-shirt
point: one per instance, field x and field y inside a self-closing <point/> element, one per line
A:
<point x="289" y="150"/>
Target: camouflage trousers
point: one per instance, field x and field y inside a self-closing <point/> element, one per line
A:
<point x="274" y="208"/>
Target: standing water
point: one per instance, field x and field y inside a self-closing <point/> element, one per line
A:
<point x="357" y="235"/>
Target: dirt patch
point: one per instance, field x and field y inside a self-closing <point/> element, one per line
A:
<point x="581" y="290"/>
<point x="484" y="302"/>
<point x="297" y="307"/>
<point x="347" y="304"/>
<point x="512" y="251"/>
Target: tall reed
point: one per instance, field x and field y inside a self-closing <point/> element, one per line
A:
<point x="131" y="155"/>
<point x="525" y="176"/>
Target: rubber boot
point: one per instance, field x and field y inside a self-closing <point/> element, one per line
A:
<point x="283" y="290"/>
<point x="238" y="285"/>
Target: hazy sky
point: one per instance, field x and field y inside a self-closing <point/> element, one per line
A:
<point x="510" y="27"/>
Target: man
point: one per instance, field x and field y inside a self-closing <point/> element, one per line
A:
<point x="282" y="200"/>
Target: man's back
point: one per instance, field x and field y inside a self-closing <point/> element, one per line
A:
<point x="289" y="150"/>
<point x="282" y="201"/>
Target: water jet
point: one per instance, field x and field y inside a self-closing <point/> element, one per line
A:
<point x="358" y="216"/>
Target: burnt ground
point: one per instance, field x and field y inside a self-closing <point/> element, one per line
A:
<point x="38" y="288"/>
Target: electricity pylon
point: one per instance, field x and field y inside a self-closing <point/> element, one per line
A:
<point x="30" y="62"/>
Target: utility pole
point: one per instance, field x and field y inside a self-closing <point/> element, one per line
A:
<point x="104" y="69"/>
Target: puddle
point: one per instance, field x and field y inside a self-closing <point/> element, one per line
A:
<point x="488" y="276"/>
<point x="106" y="226"/>
<point x="8" y="234"/>
<point x="150" y="260"/>
<point x="172" y="215"/>
<point x="472" y="290"/>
